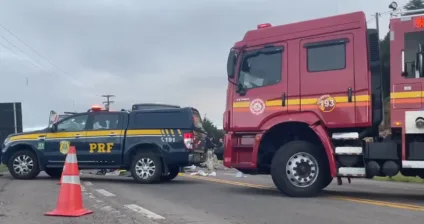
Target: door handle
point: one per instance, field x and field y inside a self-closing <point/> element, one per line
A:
<point x="349" y="95"/>
<point x="283" y="100"/>
<point x="77" y="135"/>
<point x="112" y="134"/>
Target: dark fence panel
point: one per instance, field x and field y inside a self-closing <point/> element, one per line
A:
<point x="7" y="119"/>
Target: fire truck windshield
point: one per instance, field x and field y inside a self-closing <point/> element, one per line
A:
<point x="413" y="45"/>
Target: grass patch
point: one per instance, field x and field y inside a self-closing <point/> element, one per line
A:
<point x="401" y="178"/>
<point x="3" y="168"/>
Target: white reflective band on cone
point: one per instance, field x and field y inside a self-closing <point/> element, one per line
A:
<point x="71" y="180"/>
<point x="71" y="158"/>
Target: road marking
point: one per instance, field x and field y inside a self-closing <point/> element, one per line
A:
<point x="144" y="212"/>
<point x="82" y="188"/>
<point x="351" y="199"/>
<point x="105" y="193"/>
<point x="88" y="183"/>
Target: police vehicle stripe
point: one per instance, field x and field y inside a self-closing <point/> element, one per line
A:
<point x="87" y="134"/>
<point x="71" y="180"/>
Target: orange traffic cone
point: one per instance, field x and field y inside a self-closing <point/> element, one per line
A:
<point x="70" y="202"/>
<point x="61" y="177"/>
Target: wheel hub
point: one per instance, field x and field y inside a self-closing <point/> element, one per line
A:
<point x="302" y="169"/>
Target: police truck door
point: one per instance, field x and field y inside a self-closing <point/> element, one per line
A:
<point x="104" y="138"/>
<point x="70" y="132"/>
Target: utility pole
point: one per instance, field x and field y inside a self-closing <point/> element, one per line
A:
<point x="377" y="24"/>
<point x="108" y="101"/>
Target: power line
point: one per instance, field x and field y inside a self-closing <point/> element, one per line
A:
<point x="65" y="74"/>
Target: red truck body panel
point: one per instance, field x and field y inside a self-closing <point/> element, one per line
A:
<point x="303" y="89"/>
<point x="261" y="108"/>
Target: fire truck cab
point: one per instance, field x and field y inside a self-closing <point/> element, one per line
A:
<point x="305" y="101"/>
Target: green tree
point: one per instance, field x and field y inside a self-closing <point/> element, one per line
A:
<point x="414" y="4"/>
<point x="212" y="130"/>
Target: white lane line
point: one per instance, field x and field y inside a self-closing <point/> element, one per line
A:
<point x="144" y="212"/>
<point x="105" y="192"/>
<point x="88" y="183"/>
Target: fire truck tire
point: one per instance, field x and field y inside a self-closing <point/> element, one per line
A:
<point x="298" y="169"/>
<point x="54" y="172"/>
<point x="173" y="172"/>
<point x="23" y="165"/>
<point x="327" y="181"/>
<point x="146" y="168"/>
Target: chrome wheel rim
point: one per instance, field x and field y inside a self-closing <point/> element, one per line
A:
<point x="145" y="168"/>
<point x="302" y="169"/>
<point x="23" y="165"/>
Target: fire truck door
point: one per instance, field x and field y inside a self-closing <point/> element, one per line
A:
<point x="327" y="78"/>
<point x="262" y="85"/>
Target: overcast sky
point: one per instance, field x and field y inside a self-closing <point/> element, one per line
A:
<point x="141" y="51"/>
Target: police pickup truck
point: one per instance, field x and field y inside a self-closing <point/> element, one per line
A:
<point x="151" y="143"/>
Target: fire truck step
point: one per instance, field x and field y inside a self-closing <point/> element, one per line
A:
<point x="351" y="172"/>
<point x="345" y="135"/>
<point x="413" y="164"/>
<point x="348" y="150"/>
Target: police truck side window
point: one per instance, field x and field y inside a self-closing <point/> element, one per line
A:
<point x="73" y="124"/>
<point x="261" y="68"/>
<point x="326" y="56"/>
<point x="106" y="121"/>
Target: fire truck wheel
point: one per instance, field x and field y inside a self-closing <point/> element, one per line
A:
<point x="173" y="172"/>
<point x="23" y="164"/>
<point x="54" y="172"/>
<point x="146" y="168"/>
<point x="297" y="169"/>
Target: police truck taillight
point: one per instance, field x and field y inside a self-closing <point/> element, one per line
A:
<point x="188" y="140"/>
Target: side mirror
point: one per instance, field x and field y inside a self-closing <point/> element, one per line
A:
<point x="53" y="128"/>
<point x="231" y="64"/>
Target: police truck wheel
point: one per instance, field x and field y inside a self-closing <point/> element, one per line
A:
<point x="297" y="169"/>
<point x="173" y="172"/>
<point x="23" y="165"/>
<point x="146" y="168"/>
<point x="54" y="172"/>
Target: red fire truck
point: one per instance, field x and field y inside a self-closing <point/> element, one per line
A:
<point x="302" y="98"/>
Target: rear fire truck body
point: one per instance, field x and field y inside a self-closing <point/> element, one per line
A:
<point x="302" y="97"/>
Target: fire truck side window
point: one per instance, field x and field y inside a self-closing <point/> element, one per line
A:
<point x="326" y="56"/>
<point x="412" y="45"/>
<point x="261" y="68"/>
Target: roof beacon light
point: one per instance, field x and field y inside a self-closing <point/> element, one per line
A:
<point x="96" y="108"/>
<point x="264" y="25"/>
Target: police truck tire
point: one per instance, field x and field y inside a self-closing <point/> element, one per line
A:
<point x="173" y="172"/>
<point x="54" y="172"/>
<point x="141" y="168"/>
<point x="23" y="165"/>
<point x="298" y="169"/>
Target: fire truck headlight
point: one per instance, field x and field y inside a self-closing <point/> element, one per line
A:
<point x="419" y="122"/>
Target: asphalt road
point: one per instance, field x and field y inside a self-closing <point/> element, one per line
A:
<point x="221" y="200"/>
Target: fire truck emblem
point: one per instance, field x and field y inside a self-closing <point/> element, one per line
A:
<point x="64" y="147"/>
<point x="326" y="103"/>
<point x="257" y="106"/>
